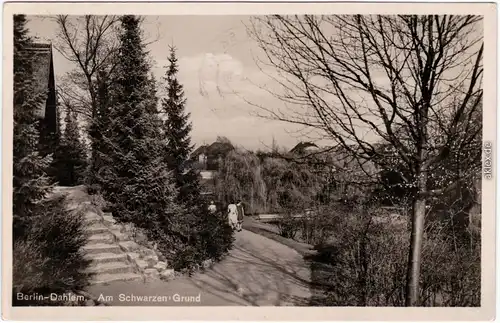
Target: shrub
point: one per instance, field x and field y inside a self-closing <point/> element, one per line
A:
<point x="98" y="201"/>
<point x="48" y="258"/>
<point x="216" y="236"/>
<point x="367" y="259"/>
<point x="93" y="189"/>
<point x="186" y="235"/>
<point x="288" y="226"/>
<point x="210" y="238"/>
<point x="451" y="271"/>
<point x="367" y="263"/>
<point x="319" y="225"/>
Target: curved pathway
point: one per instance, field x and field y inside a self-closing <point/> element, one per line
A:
<point x="257" y="272"/>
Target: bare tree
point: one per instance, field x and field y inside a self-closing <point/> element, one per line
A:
<point x="413" y="82"/>
<point x="90" y="42"/>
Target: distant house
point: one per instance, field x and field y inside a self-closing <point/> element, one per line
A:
<point x="303" y="147"/>
<point x="209" y="156"/>
<point x="44" y="78"/>
<point x="200" y="155"/>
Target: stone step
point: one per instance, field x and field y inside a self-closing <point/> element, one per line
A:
<point x="104" y="237"/>
<point x="108" y="218"/>
<point x="100" y="258"/>
<point x="91" y="215"/>
<point x="96" y="228"/>
<point x="133" y="256"/>
<point x="92" y="220"/>
<point x="108" y="278"/>
<point x="102" y="248"/>
<point x="119" y="236"/>
<point x="111" y="268"/>
<point x="129" y="246"/>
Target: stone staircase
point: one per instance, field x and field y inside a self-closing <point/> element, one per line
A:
<point x="109" y="261"/>
<point x="113" y="248"/>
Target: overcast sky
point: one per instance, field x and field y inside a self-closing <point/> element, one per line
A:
<point x="217" y="69"/>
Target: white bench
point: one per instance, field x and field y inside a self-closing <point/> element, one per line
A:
<point x="268" y="217"/>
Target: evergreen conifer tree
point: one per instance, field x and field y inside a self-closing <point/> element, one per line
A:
<point x="30" y="180"/>
<point x="98" y="130"/>
<point x="177" y="131"/>
<point x="209" y="234"/>
<point x="137" y="182"/>
<point x="71" y="159"/>
<point x="153" y="97"/>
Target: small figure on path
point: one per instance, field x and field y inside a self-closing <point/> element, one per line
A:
<point x="232" y="215"/>
<point x="212" y="208"/>
<point x="241" y="214"/>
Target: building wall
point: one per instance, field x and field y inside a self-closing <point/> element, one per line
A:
<point x="43" y="69"/>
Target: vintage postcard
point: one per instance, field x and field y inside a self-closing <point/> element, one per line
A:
<point x="257" y="161"/>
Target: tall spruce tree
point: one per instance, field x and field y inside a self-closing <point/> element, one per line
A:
<point x="136" y="181"/>
<point x="98" y="129"/>
<point x="209" y="234"/>
<point x="71" y="159"/>
<point x="177" y="131"/>
<point x="30" y="181"/>
<point x="153" y="96"/>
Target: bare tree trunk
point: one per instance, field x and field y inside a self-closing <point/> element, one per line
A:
<point x="415" y="255"/>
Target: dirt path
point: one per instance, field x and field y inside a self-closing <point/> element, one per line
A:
<point x="257" y="272"/>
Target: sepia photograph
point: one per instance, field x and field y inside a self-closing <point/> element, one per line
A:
<point x="286" y="160"/>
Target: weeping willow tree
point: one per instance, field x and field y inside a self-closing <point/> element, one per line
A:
<point x="273" y="169"/>
<point x="291" y="186"/>
<point x="240" y="178"/>
<point x="269" y="185"/>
